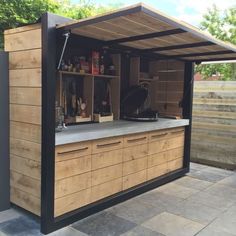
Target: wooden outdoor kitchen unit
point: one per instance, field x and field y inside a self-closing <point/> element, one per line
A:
<point x="95" y="75"/>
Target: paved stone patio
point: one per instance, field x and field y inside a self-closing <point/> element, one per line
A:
<point x="202" y="203"/>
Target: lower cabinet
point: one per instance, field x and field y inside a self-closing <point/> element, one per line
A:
<point x="90" y="171"/>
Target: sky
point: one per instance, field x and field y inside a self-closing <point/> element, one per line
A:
<point x="190" y="11"/>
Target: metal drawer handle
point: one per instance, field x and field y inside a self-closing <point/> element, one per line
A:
<point x="159" y="135"/>
<point x="136" y="139"/>
<point x="108" y="144"/>
<point x="71" y="151"/>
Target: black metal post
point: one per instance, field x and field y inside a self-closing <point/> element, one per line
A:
<point x="187" y="109"/>
<point x="4" y="133"/>
<point x="49" y="22"/>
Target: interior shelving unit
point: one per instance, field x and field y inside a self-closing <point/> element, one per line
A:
<point x="88" y="82"/>
<point x="165" y="81"/>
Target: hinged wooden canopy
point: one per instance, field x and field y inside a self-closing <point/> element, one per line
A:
<point x="149" y="31"/>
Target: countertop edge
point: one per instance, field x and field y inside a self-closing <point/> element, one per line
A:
<point x="74" y="137"/>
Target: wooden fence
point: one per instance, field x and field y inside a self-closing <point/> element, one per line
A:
<point x="214" y="123"/>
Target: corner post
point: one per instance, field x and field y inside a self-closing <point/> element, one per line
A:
<point x="187" y="109"/>
<point x="4" y="133"/>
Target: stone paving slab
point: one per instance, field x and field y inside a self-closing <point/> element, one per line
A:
<point x="202" y="203"/>
<point x="172" y="225"/>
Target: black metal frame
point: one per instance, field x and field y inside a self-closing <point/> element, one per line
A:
<point x="146" y="36"/>
<point x="4" y="133"/>
<point x="48" y="222"/>
<point x="179" y="46"/>
<point x="187" y="109"/>
<point x="201" y="54"/>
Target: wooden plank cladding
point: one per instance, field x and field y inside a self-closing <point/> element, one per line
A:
<point x="90" y="171"/>
<point x="25" y="80"/>
<point x="23" y="41"/>
<point x="214" y="123"/>
<point x="25" y="59"/>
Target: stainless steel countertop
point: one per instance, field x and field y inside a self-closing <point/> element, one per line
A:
<point x="86" y="132"/>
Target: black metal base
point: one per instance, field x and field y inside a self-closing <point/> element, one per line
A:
<point x="93" y="208"/>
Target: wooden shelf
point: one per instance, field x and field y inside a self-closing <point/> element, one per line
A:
<point x="88" y="74"/>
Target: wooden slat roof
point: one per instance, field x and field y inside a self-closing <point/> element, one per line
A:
<point x="146" y="30"/>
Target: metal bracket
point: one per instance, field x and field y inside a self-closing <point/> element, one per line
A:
<point x="66" y="35"/>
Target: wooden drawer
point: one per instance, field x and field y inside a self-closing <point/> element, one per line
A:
<point x="175" y="164"/>
<point x="108" y="144"/>
<point x="106" y="189"/>
<point x="135" y="139"/>
<point x="175" y="153"/>
<point x="157" y="135"/>
<point x="159" y="158"/>
<point x="134" y="179"/>
<point x="74" y="150"/>
<point x="106" y="174"/>
<point x="165" y="134"/>
<point x="72" y="202"/>
<point x="104" y="159"/>
<point x="157" y="171"/>
<point x="165" y="144"/>
<point x="72" y="167"/>
<point x="135" y="152"/>
<point x="134" y="166"/>
<point x="72" y="184"/>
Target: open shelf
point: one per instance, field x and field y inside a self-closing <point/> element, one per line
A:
<point x="87" y="74"/>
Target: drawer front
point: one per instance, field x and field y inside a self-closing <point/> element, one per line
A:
<point x="72" y="167"/>
<point x="108" y="144"/>
<point x="165" y="134"/>
<point x="134" y="179"/>
<point x="157" y="171"/>
<point x="104" y="159"/>
<point x="72" y="202"/>
<point x="175" y="164"/>
<point x="157" y="135"/>
<point x="157" y="159"/>
<point x="134" y="166"/>
<point x="74" y="150"/>
<point x="135" y="152"/>
<point x="106" y="189"/>
<point x="165" y="144"/>
<point x="135" y="139"/>
<point x="72" y="184"/>
<point x="175" y="153"/>
<point x="106" y="174"/>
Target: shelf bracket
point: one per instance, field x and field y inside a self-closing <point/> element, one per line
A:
<point x="66" y="35"/>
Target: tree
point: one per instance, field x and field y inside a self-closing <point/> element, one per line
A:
<point x="14" y="13"/>
<point x="222" y="25"/>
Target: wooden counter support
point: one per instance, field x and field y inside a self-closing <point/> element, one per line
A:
<point x="24" y="47"/>
<point x="89" y="171"/>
